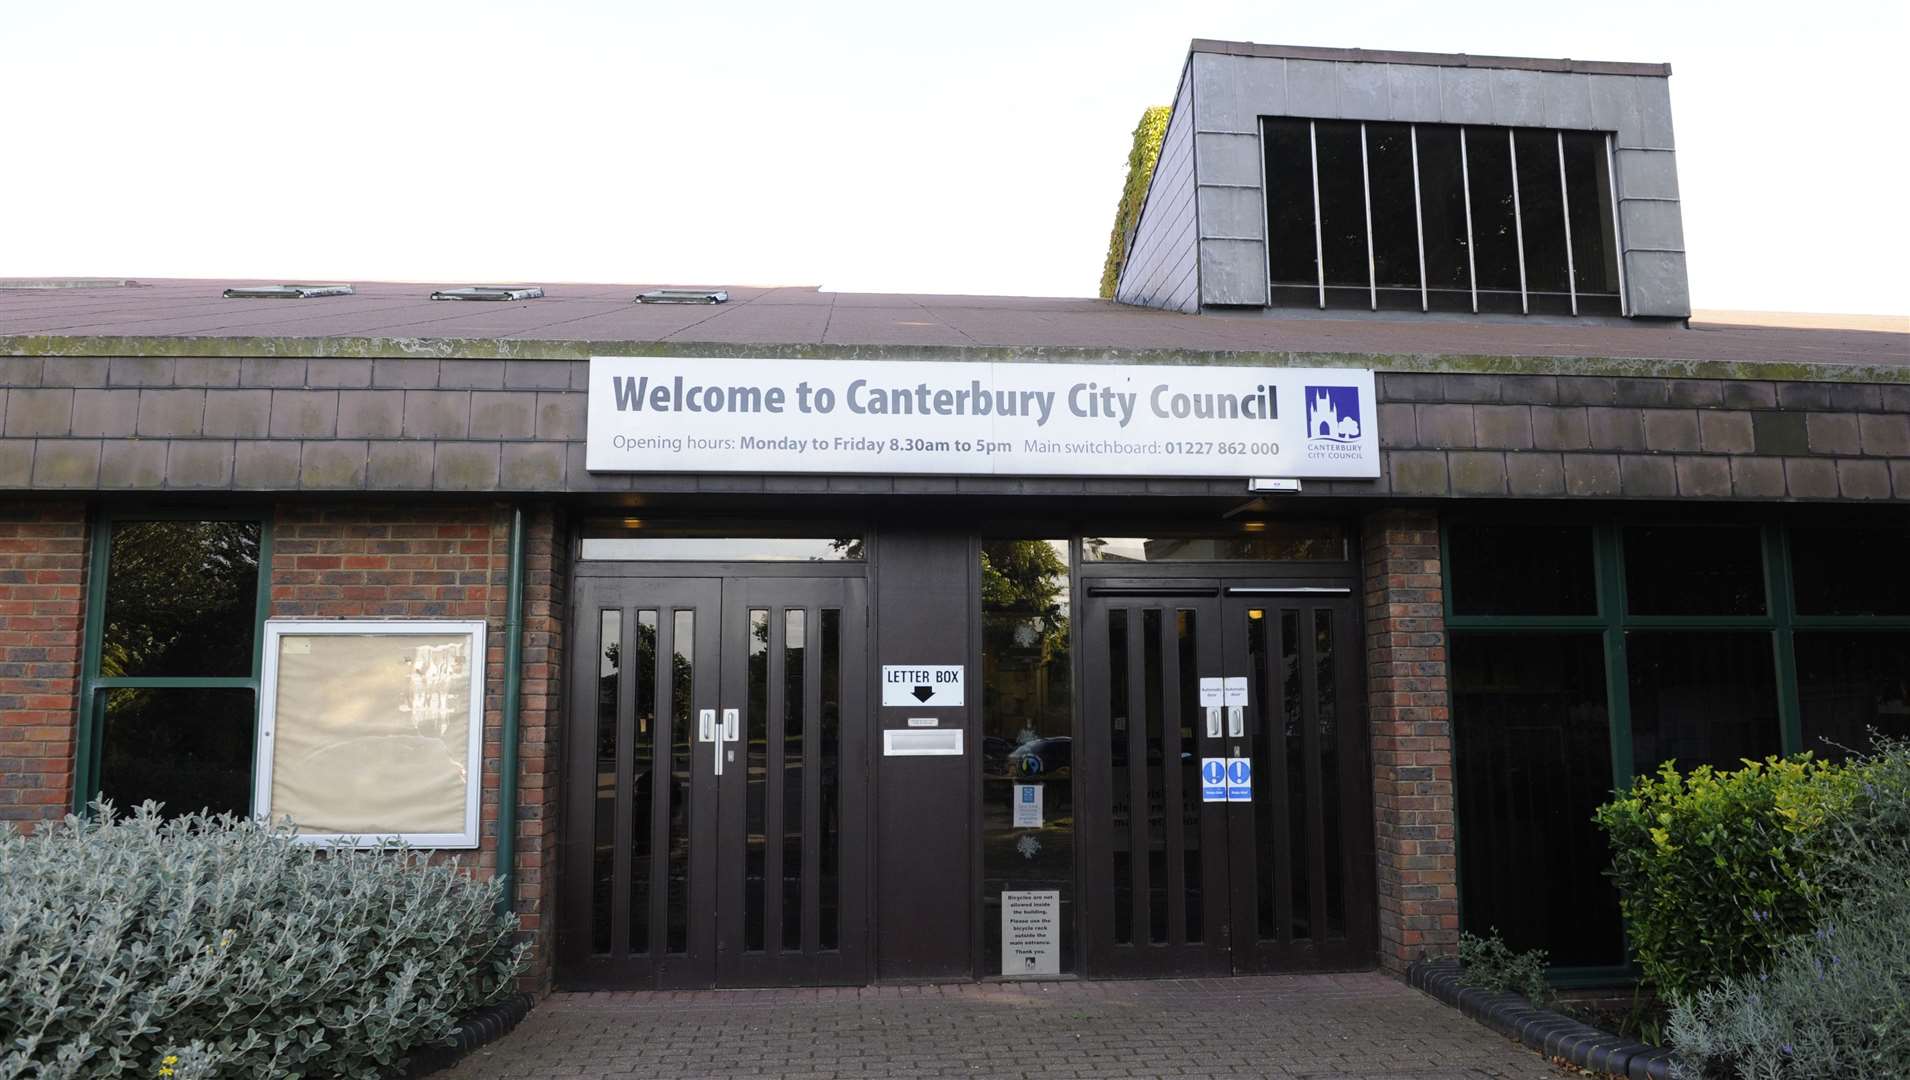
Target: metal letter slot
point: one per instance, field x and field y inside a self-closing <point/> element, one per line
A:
<point x="1213" y="721"/>
<point x="1236" y="721"/>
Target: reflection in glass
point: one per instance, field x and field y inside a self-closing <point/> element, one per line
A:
<point x="1389" y="162"/>
<point x="1701" y="699"/>
<point x="1188" y="813"/>
<point x="643" y="780"/>
<point x="1151" y="702"/>
<point x="1588" y="192"/>
<point x="181" y="599"/>
<point x="1851" y="571"/>
<point x="1326" y="700"/>
<point x="722" y="548"/>
<point x="793" y="704"/>
<point x="1442" y="211"/>
<point x="604" y="832"/>
<point x="1495" y="241"/>
<point x="1542" y="208"/>
<point x="190" y="749"/>
<point x="755" y="776"/>
<point x="1120" y="787"/>
<point x="682" y="660"/>
<point x="1497" y="569"/>
<point x="1532" y="750"/>
<point x="1259" y="540"/>
<point x="1027" y="709"/>
<point x="1343" y="213"/>
<point x="1269" y="759"/>
<point x="829" y="766"/>
<point x="1293" y="724"/>
<point x="1694" y="570"/>
<point x="1291" y="253"/>
<point x="1848" y="684"/>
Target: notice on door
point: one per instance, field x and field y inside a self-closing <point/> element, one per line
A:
<point x="1030" y="933"/>
<point x="912" y="686"/>
<point x="1213" y="779"/>
<point x="1239" y="779"/>
<point x="1027" y="806"/>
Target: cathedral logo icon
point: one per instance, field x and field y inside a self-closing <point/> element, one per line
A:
<point x="1333" y="413"/>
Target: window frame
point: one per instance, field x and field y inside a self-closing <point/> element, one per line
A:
<point x="89" y="738"/>
<point x="265" y="718"/>
<point x="1613" y="620"/>
<point x="1613" y="228"/>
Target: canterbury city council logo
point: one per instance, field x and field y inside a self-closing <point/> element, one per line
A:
<point x="1333" y="414"/>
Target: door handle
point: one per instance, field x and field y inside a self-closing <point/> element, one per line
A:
<point x="706" y="725"/>
<point x="732" y="729"/>
<point x="1236" y="721"/>
<point x="1213" y="721"/>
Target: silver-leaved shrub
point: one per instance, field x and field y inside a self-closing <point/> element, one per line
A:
<point x="212" y="946"/>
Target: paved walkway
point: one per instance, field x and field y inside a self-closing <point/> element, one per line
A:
<point x="1324" y="1027"/>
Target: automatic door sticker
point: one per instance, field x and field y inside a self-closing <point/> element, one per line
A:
<point x="1239" y="779"/>
<point x="1213" y="779"/>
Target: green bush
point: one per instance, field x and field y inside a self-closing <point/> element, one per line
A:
<point x="1836" y="1001"/>
<point x="1488" y="963"/>
<point x="219" y="943"/>
<point x="1141" y="158"/>
<point x="1716" y="870"/>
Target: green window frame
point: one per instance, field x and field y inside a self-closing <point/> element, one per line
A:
<point x="89" y="736"/>
<point x="1613" y="620"/>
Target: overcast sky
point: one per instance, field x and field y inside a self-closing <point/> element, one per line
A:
<point x="975" y="147"/>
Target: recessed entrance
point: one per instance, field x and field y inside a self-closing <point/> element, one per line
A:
<point x="715" y="830"/>
<point x="1224" y="835"/>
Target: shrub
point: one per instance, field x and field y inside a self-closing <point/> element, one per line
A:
<point x="220" y="943"/>
<point x="1488" y="963"/>
<point x="1836" y="1001"/>
<point x="1716" y="870"/>
<point x="1141" y="159"/>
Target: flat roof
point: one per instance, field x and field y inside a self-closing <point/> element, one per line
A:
<point x="188" y="317"/>
<point x="1429" y="59"/>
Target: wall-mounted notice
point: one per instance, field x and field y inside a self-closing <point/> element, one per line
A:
<point x="1210" y="692"/>
<point x="912" y="686"/>
<point x="1027" y="806"/>
<point x="1030" y="933"/>
<point x="1213" y="779"/>
<point x="1240" y="779"/>
<point x="886" y="417"/>
<point x="1234" y="690"/>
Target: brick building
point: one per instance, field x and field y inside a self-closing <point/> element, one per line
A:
<point x="1421" y="530"/>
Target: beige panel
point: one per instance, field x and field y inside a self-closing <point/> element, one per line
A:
<point x="372" y="732"/>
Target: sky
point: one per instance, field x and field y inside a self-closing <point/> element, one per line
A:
<point x="892" y="146"/>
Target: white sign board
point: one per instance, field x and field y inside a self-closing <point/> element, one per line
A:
<point x="1030" y="933"/>
<point x="1235" y="690"/>
<point x="1027" y="806"/>
<point x="912" y="686"/>
<point x="886" y="417"/>
<point x="1210" y="692"/>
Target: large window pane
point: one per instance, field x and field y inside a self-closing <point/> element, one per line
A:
<point x="1442" y="206"/>
<point x="1588" y="190"/>
<point x="1291" y="252"/>
<point x="1521" y="570"/>
<point x="1851" y="571"/>
<point x="1027" y="707"/>
<point x="724" y="549"/>
<point x="1306" y="541"/>
<point x="1532" y="747"/>
<point x="190" y="749"/>
<point x="1694" y="570"/>
<point x="1494" y="231"/>
<point x="1343" y="214"/>
<point x="1849" y="683"/>
<point x="181" y="599"/>
<point x="1542" y="211"/>
<point x="1701" y="698"/>
<point x="1389" y="161"/>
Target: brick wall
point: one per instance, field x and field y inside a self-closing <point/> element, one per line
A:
<point x="1411" y="728"/>
<point x="42" y="599"/>
<point x="383" y="560"/>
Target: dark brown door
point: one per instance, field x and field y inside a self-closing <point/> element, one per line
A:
<point x="713" y="833"/>
<point x="1219" y="876"/>
<point x="1302" y="864"/>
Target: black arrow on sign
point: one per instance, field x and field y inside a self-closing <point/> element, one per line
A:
<point x="923" y="693"/>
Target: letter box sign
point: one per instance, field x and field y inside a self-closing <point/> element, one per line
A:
<point x="754" y="415"/>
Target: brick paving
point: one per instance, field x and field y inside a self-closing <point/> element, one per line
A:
<point x="1363" y="1026"/>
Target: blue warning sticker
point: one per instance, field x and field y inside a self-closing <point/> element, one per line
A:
<point x="1213" y="779"/>
<point x="1239" y="779"/>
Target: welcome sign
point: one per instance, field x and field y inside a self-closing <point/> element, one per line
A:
<point x="761" y="415"/>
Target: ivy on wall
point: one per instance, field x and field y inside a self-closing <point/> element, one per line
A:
<point x="1140" y="170"/>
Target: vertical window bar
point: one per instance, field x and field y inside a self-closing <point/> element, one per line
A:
<point x="1366" y="186"/>
<point x="1565" y="213"/>
<point x="1465" y="181"/>
<point x="1611" y="173"/>
<point x="1319" y="245"/>
<point x="1419" y="216"/>
<point x="1518" y="221"/>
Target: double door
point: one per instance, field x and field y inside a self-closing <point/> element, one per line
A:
<point x="1226" y="779"/>
<point x="714" y="823"/>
